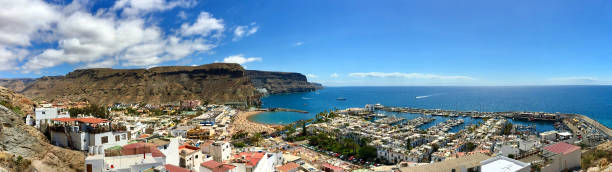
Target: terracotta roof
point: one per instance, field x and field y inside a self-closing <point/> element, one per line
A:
<point x="251" y="157"/>
<point x="332" y="167"/>
<point x="217" y="166"/>
<point x="562" y="148"/>
<point x="174" y="168"/>
<point x="141" y="148"/>
<point x="84" y="120"/>
<point x="287" y="167"/>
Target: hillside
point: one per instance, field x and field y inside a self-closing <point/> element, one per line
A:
<point x="19" y="140"/>
<point x="281" y="82"/>
<point x="213" y="83"/>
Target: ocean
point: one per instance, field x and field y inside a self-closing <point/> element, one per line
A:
<point x="592" y="101"/>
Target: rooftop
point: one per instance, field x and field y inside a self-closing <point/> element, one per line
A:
<point x="562" y="148"/>
<point x="84" y="120"/>
<point x="287" y="167"/>
<point x="141" y="148"/>
<point x="252" y="158"/>
<point x="174" y="168"/>
<point x="502" y="164"/>
<point x="467" y="161"/>
<point x="217" y="166"/>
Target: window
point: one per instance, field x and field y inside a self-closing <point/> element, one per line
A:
<point x="196" y="157"/>
<point x="117" y="138"/>
<point x="43" y="112"/>
<point x="104" y="139"/>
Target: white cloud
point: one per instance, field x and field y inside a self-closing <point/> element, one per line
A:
<point x="242" y="31"/>
<point x="409" y="76"/>
<point x="98" y="40"/>
<point x="20" y="20"/>
<point x="182" y="15"/>
<point x="334" y="75"/>
<point x="240" y="59"/>
<point x="311" y="75"/>
<point x="204" y="26"/>
<point x="138" y="7"/>
<point x="297" y="44"/>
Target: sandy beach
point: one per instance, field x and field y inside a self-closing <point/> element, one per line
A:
<point x="242" y="123"/>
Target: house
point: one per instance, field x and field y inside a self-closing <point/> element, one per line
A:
<point x="214" y="166"/>
<point x="45" y="114"/>
<point x="563" y="157"/>
<point x="257" y="161"/>
<point x="221" y="151"/>
<point x="134" y="157"/>
<point x="86" y="133"/>
<point x="289" y="167"/>
<point x="462" y="164"/>
<point x="504" y="164"/>
<point x="191" y="157"/>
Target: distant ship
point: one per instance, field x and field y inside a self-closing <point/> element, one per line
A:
<point x="420" y="97"/>
<point x="306" y="98"/>
<point x="341" y="98"/>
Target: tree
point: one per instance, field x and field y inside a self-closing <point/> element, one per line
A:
<point x="368" y="152"/>
<point x="408" y="144"/>
<point x="255" y="139"/>
<point x="304" y="132"/>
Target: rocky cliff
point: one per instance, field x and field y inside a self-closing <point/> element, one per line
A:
<point x="23" y="148"/>
<point x="17" y="84"/>
<point x="213" y="83"/>
<point x="281" y="82"/>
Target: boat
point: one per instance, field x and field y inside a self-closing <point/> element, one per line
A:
<point x="341" y="98"/>
<point x="306" y="98"/>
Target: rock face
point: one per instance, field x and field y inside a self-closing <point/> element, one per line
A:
<point x="213" y="83"/>
<point x="17" y="84"/>
<point x="25" y="105"/>
<point x="18" y="139"/>
<point x="281" y="82"/>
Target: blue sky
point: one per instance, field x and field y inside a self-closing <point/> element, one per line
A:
<point x="336" y="43"/>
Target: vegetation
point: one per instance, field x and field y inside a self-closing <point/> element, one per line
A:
<point x="469" y="146"/>
<point x="596" y="157"/>
<point x="240" y="135"/>
<point x="92" y="109"/>
<point x="345" y="146"/>
<point x="507" y="129"/>
<point x="10" y="106"/>
<point x="239" y="144"/>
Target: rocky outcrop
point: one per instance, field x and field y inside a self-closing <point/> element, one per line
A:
<point x="281" y="82"/>
<point x="213" y="83"/>
<point x="23" y="148"/>
<point x="17" y="84"/>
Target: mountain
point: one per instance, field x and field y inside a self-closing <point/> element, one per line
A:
<point x="212" y="83"/>
<point x="23" y="148"/>
<point x="281" y="82"/>
<point x="17" y="84"/>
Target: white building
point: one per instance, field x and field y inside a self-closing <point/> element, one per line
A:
<point x="45" y="114"/>
<point x="257" y="161"/>
<point x="191" y="157"/>
<point x="134" y="157"/>
<point x="86" y="133"/>
<point x="504" y="164"/>
<point x="221" y="151"/>
<point x="563" y="157"/>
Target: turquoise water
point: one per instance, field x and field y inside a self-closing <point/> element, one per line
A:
<point x="593" y="101"/>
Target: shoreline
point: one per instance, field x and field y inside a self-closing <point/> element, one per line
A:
<point x="243" y="123"/>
